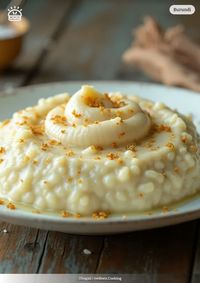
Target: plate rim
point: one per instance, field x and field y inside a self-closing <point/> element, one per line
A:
<point x="20" y="214"/>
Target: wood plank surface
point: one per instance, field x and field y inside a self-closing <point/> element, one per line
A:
<point x="92" y="45"/>
<point x="195" y="272"/>
<point x="86" y="42"/>
<point x="166" y="252"/>
<point x="68" y="253"/>
<point x="20" y="248"/>
<point x="45" y="22"/>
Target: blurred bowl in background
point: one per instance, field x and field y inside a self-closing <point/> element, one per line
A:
<point x="11" y="39"/>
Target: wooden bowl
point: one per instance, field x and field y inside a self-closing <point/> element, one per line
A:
<point x="10" y="47"/>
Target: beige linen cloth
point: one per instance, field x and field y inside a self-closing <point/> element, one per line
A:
<point x="166" y="56"/>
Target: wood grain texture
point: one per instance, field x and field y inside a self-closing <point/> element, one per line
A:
<point x="99" y="32"/>
<point x="195" y="270"/>
<point x="65" y="253"/>
<point x="20" y="249"/>
<point x="167" y="252"/>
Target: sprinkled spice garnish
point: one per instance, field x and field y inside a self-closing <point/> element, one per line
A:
<point x="10" y="205"/>
<point x="141" y="195"/>
<point x="119" y="113"/>
<point x="165" y="209"/>
<point x="2" y="149"/>
<point x="100" y="214"/>
<point x="161" y="128"/>
<point x="2" y="202"/>
<point x="62" y="131"/>
<point x="120" y="161"/>
<point x="44" y="146"/>
<point x="37" y="115"/>
<point x="112" y="156"/>
<point x="97" y="147"/>
<point x="121" y="134"/>
<point x="1" y="160"/>
<point x="69" y="180"/>
<point x="170" y="146"/>
<point x="120" y="121"/>
<point x="77" y="215"/>
<point x="26" y="158"/>
<point x="45" y="182"/>
<point x="21" y="140"/>
<point x="70" y="153"/>
<point x="37" y="129"/>
<point x="176" y="169"/>
<point x="193" y="148"/>
<point x="65" y="214"/>
<point x="35" y="162"/>
<point x="86" y="120"/>
<point x="53" y="142"/>
<point x="96" y="122"/>
<point x="131" y="147"/>
<point x="58" y="119"/>
<point x="97" y="158"/>
<point x="114" y="144"/>
<point x="48" y="160"/>
<point x="22" y="123"/>
<point x="115" y="100"/>
<point x="93" y="101"/>
<point x="74" y="125"/>
<point x="5" y="122"/>
<point x="77" y="115"/>
<point x="184" y="139"/>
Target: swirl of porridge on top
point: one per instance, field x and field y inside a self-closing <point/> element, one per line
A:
<point x="95" y="153"/>
<point x="92" y="118"/>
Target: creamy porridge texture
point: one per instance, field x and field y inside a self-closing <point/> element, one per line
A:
<point x="98" y="152"/>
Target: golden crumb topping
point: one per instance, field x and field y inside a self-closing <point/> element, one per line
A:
<point x="77" y="115"/>
<point x="131" y="147"/>
<point x="161" y="128"/>
<point x="65" y="214"/>
<point x="44" y="146"/>
<point x="2" y="149"/>
<point x="112" y="156"/>
<point x="100" y="214"/>
<point x="170" y="146"/>
<point x="58" y="119"/>
<point x="193" y="148"/>
<point x="70" y="153"/>
<point x="10" y="205"/>
<point x="5" y="122"/>
<point x="37" y="129"/>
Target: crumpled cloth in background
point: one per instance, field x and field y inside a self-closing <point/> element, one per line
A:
<point x="167" y="56"/>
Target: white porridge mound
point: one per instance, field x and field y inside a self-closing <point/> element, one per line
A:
<point x="98" y="152"/>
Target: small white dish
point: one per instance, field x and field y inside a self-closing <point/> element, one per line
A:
<point x="184" y="100"/>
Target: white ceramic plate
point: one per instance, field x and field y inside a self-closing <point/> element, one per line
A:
<point x="185" y="101"/>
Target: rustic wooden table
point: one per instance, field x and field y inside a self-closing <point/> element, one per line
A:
<point x="72" y="40"/>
